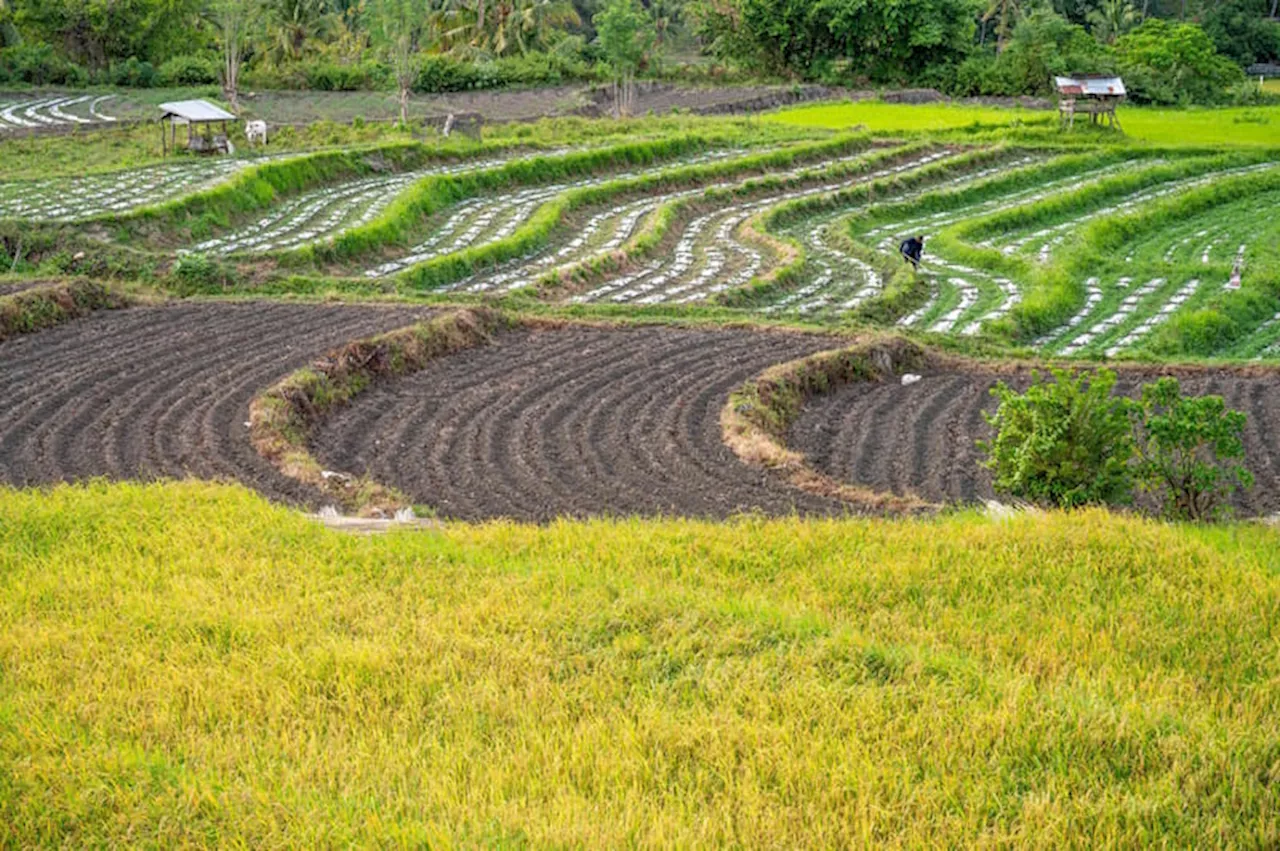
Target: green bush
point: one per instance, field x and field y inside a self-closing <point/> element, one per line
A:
<point x="335" y="77"/>
<point x="197" y="273"/>
<point x="1072" y="442"/>
<point x="1189" y="451"/>
<point x="1063" y="443"/>
<point x="133" y="73"/>
<point x="188" y="70"/>
<point x="1169" y="63"/>
<point x="39" y="65"/>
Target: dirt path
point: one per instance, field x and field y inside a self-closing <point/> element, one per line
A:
<point x="574" y="422"/>
<point x="921" y="439"/>
<point x="162" y="391"/>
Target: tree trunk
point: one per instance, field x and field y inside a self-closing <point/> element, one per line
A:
<point x="230" y="86"/>
<point x="231" y="69"/>
<point x="404" y="102"/>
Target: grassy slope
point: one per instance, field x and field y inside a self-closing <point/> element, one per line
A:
<point x="1176" y="127"/>
<point x="185" y="663"/>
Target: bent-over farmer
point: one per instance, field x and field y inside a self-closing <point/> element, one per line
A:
<point x="912" y="250"/>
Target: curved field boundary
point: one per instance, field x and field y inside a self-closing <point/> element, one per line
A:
<point x="673" y="211"/>
<point x="286" y="417"/>
<point x="43" y="305"/>
<point x="397" y="223"/>
<point x="282" y="417"/>
<point x="786" y="280"/>
<point x="922" y="438"/>
<point x="61" y="111"/>
<point x="435" y="194"/>
<point x="720" y="212"/>
<point x="261" y="186"/>
<point x="756" y="419"/>
<point x="569" y="419"/>
<point x="163" y="391"/>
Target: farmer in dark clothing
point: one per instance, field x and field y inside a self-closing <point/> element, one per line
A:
<point x="912" y="249"/>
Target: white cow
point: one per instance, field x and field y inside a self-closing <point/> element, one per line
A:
<point x="256" y="131"/>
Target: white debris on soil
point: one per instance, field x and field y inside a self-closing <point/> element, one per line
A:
<point x="910" y="378"/>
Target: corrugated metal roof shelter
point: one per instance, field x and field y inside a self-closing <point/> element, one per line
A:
<point x="192" y="113"/>
<point x="1096" y="95"/>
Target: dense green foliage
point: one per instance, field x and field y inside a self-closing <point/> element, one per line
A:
<point x="1190" y="450"/>
<point x="1187" y="51"/>
<point x="1000" y="48"/>
<point x="1065" y="442"/>
<point x="1070" y="442"/>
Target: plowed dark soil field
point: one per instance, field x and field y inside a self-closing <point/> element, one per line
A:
<point x="920" y="439"/>
<point x="572" y="422"/>
<point x="162" y="391"/>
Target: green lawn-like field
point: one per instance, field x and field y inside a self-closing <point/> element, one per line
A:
<point x="185" y="664"/>
<point x="1245" y="126"/>
<point x="888" y="117"/>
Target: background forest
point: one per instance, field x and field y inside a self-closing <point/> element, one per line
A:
<point x="1170" y="51"/>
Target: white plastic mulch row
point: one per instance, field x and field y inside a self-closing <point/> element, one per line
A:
<point x="77" y="198"/>
<point x="326" y="212"/>
<point x="1123" y="313"/>
<point x="481" y="220"/>
<point x="681" y="280"/>
<point x="1185" y="292"/>
<point x="843" y="281"/>
<point x="603" y="233"/>
<point x="1057" y="234"/>
<point x="894" y="231"/>
<point x="62" y="110"/>
<point x="1093" y="295"/>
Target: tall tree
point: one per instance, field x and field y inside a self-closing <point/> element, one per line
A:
<point x="402" y="29"/>
<point x="236" y="22"/>
<point x="291" y="24"/>
<point x="626" y="35"/>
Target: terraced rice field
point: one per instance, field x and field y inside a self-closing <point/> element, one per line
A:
<point x="1121" y="244"/>
<point x="572" y="422"/>
<point x="162" y="391"/>
<point x="920" y="439"/>
<point x="65" y="111"/>
<point x="807" y="237"/>
<point x="707" y="255"/>
<point x="73" y="199"/>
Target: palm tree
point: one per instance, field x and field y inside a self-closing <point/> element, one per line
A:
<point x="1006" y="14"/>
<point x="292" y="23"/>
<point x="665" y="13"/>
<point x="500" y="26"/>
<point x="1113" y="19"/>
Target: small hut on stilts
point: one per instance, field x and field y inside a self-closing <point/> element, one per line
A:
<point x="1095" y="96"/>
<point x="195" y="113"/>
